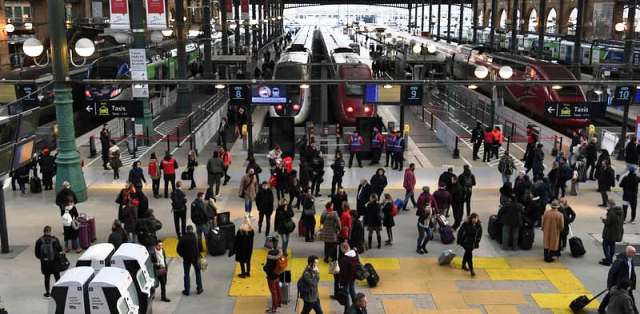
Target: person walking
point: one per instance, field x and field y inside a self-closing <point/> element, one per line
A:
<point x="409" y="184"/>
<point x="477" y="134"/>
<point x="154" y="172"/>
<point x="282" y="180"/>
<point x="424" y="227"/>
<point x="114" y="160"/>
<point x="606" y="180"/>
<point x="612" y="232"/>
<point x="159" y="259"/>
<point x="283" y="223"/>
<point x="179" y="209"/>
<point x="349" y="263"/>
<point x="552" y="226"/>
<point x="118" y="235"/>
<point x="373" y="219"/>
<point x="328" y="233"/>
<point x="622" y="269"/>
<point x="47" y="165"/>
<point x="136" y="176"/>
<point x="252" y="164"/>
<point x="498" y="139"/>
<point x="591" y="153"/>
<point x="387" y="217"/>
<point x="378" y="182"/>
<point x="308" y="216"/>
<point x="359" y="305"/>
<point x="510" y="216"/>
<point x="215" y="171"/>
<point x="629" y="185"/>
<point x="200" y="217"/>
<point x="169" y="166"/>
<point x="243" y="247"/>
<point x="105" y="144"/>
<point x="506" y="167"/>
<point x="248" y="190"/>
<point x="188" y="249"/>
<point x="456" y="193"/>
<point x="48" y="250"/>
<point x="273" y="277"/>
<point x="192" y="163"/>
<point x="308" y="286"/>
<point x="264" y="204"/>
<point x="620" y="300"/>
<point x="467" y="181"/>
<point x="469" y="236"/>
<point x="226" y="162"/>
<point x="338" y="172"/>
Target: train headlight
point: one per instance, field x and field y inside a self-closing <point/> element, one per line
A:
<point x="431" y="49"/>
<point x="115" y="92"/>
<point x="279" y="107"/>
<point x="349" y="109"/>
<point x="417" y="49"/>
<point x="481" y="72"/>
<point x="367" y="109"/>
<point x="87" y="93"/>
<point x="296" y="107"/>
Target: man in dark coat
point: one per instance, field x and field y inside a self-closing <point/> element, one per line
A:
<point x="188" y="249"/>
<point x="200" y="217"/>
<point x="359" y="306"/>
<point x="349" y="263"/>
<point x="538" y="161"/>
<point x="146" y="228"/>
<point x="48" y="250"/>
<point x="629" y="185"/>
<point x="338" y="199"/>
<point x="621" y="269"/>
<point x="445" y="178"/>
<point x="467" y="181"/>
<point x="105" y="144"/>
<point x="477" y="135"/>
<point x="631" y="152"/>
<point x="591" y="153"/>
<point x="179" y="209"/>
<point x="264" y="203"/>
<point x="362" y="196"/>
<point x="47" y="165"/>
<point x="65" y="194"/>
<point x="606" y="180"/>
<point x="612" y="232"/>
<point x="510" y="216"/>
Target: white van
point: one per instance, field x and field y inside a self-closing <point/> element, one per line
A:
<point x="97" y="256"/>
<point x="112" y="291"/>
<point x="136" y="260"/>
<point x="71" y="292"/>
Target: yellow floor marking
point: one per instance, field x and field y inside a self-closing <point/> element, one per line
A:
<point x="531" y="262"/>
<point x="483" y="262"/>
<point x="450" y="311"/>
<point x="171" y="245"/>
<point x="450" y="273"/>
<point x="493" y="297"/>
<point x="564" y="281"/>
<point x="404" y="306"/>
<point x="398" y="285"/>
<point x="442" y="285"/>
<point x="516" y="274"/>
<point x="562" y="311"/>
<point x="246" y="305"/>
<point x="501" y="309"/>
<point x="446" y="300"/>
<point x="559" y="300"/>
<point x="381" y="263"/>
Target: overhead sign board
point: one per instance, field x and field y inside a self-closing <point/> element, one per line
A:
<point x="156" y="15"/>
<point x="577" y="110"/>
<point x="119" y="14"/>
<point x="269" y="94"/>
<point x="382" y="94"/>
<point x="412" y="95"/>
<point x="239" y="94"/>
<point x="622" y="96"/>
<point x="138" y="68"/>
<point x="116" y="108"/>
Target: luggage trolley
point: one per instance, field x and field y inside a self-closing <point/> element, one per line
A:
<point x="97" y="256"/>
<point x="70" y="294"/>
<point x="136" y="260"/>
<point x="112" y="291"/>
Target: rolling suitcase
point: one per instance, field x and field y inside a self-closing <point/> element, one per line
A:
<point x="285" y="288"/>
<point x="229" y="233"/>
<point x="35" y="185"/>
<point x="582" y="301"/>
<point x="215" y="242"/>
<point x="495" y="228"/>
<point x="446" y="234"/>
<point x="83" y="235"/>
<point x="92" y="228"/>
<point x="575" y="244"/>
<point x="301" y="230"/>
<point x="526" y="235"/>
<point x="446" y="257"/>
<point x="373" y="278"/>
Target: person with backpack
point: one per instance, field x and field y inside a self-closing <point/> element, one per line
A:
<point x="48" y="251"/>
<point x="188" y="249"/>
<point x="283" y="223"/>
<point x="136" y="176"/>
<point x="270" y="268"/>
<point x="264" y="204"/>
<point x="215" y="172"/>
<point x="612" y="232"/>
<point x="506" y="167"/>
<point x="179" y="209"/>
<point x="200" y="217"/>
<point x="169" y="166"/>
<point x="153" y="170"/>
<point x="146" y="228"/>
<point x="308" y="286"/>
<point x="117" y="235"/>
<point x="510" y="217"/>
<point x="328" y="233"/>
<point x="70" y="226"/>
<point x="469" y="236"/>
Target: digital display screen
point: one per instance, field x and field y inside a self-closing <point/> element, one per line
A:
<point x="375" y="93"/>
<point x="273" y="94"/>
<point x="6" y="156"/>
<point x="23" y="152"/>
<point x="29" y="123"/>
<point x="8" y="129"/>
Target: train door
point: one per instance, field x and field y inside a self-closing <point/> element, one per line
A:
<point x="282" y="132"/>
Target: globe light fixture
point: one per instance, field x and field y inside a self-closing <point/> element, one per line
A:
<point x="620" y="27"/>
<point x="32" y="47"/>
<point x="431" y="49"/>
<point x="9" y="28"/>
<point x="417" y="49"/>
<point x="505" y="72"/>
<point x="85" y="47"/>
<point x="481" y="72"/>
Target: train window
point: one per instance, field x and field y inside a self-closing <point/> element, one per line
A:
<point x="289" y="72"/>
<point x="353" y="89"/>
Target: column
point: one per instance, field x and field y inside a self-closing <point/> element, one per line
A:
<point x="430" y="13"/>
<point x="183" y="102"/>
<point x="460" y="22"/>
<point x="492" y="27"/>
<point x="223" y="24"/>
<point x="449" y="22"/>
<point x="422" y="18"/>
<point x="514" y="27"/>
<point x="409" y="20"/>
<point x="236" y="33"/>
<point x="207" y="68"/>
<point x="474" y="24"/>
<point x="438" y="22"/>
<point x="577" y="57"/>
<point x="542" y="25"/>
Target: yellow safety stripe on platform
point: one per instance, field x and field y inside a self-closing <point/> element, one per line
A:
<point x="564" y="281"/>
<point x="483" y="262"/>
<point x="516" y="274"/>
<point x="560" y="300"/>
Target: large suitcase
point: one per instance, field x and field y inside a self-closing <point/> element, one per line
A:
<point x="83" y="235"/>
<point x="582" y="301"/>
<point x="229" y="233"/>
<point x="301" y="230"/>
<point x="446" y="257"/>
<point x="92" y="229"/>
<point x="215" y="242"/>
<point x="495" y="228"/>
<point x="223" y="219"/>
<point x="373" y="278"/>
<point x="285" y="288"/>
<point x="35" y="185"/>
<point x="575" y="244"/>
<point x="526" y="237"/>
<point x="446" y="234"/>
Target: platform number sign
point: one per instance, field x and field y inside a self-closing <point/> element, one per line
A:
<point x="622" y="96"/>
<point x="239" y="94"/>
<point x="412" y="95"/>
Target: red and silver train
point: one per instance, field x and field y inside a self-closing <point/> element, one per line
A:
<point x="530" y="99"/>
<point x="347" y="64"/>
<point x="294" y="65"/>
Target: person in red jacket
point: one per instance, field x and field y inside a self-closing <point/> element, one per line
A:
<point x="226" y="161"/>
<point x="346" y="221"/>
<point x="409" y="185"/>
<point x="169" y="166"/>
<point x="153" y="170"/>
<point x="488" y="145"/>
<point x="355" y="147"/>
<point x="498" y="139"/>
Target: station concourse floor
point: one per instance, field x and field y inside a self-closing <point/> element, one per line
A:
<point x="506" y="281"/>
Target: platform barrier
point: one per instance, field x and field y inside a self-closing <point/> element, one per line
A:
<point x="446" y="135"/>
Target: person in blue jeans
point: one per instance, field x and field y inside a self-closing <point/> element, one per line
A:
<point x="188" y="250"/>
<point x="612" y="232"/>
<point x="248" y="190"/>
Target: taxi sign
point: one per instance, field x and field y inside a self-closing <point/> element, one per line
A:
<point x="577" y="110"/>
<point x="116" y="108"/>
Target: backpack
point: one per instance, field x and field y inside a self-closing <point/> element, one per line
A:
<point x="47" y="252"/>
<point x="394" y="209"/>
<point x="178" y="205"/>
<point x="504" y="166"/>
<point x="303" y="288"/>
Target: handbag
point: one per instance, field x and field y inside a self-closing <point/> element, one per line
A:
<point x="185" y="176"/>
<point x="203" y="263"/>
<point x="289" y="225"/>
<point x="334" y="266"/>
<point x="62" y="263"/>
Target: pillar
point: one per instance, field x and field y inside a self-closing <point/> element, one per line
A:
<point x="430" y="22"/>
<point x="236" y="33"/>
<point x="492" y="25"/>
<point x="409" y="20"/>
<point x="438" y="22"/>
<point x="577" y="57"/>
<point x="183" y="102"/>
<point x="5" y="63"/>
<point x="207" y="68"/>
<point x="460" y="21"/>
<point x="422" y="18"/>
<point x="514" y="27"/>
<point x="542" y="25"/>
<point x="223" y="26"/>
<point x="449" y="21"/>
<point x="474" y="23"/>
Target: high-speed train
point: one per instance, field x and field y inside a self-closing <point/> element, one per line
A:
<point x="346" y="64"/>
<point x="530" y="99"/>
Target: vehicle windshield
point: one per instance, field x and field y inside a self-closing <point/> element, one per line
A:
<point x="288" y="72"/>
<point x="353" y="89"/>
<point x="110" y="69"/>
<point x="556" y="72"/>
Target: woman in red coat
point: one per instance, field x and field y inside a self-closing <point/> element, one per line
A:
<point x="345" y="222"/>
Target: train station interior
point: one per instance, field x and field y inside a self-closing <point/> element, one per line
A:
<point x="391" y="124"/>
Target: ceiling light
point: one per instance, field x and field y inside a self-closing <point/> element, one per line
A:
<point x="219" y="86"/>
<point x="304" y="86"/>
<point x="387" y="86"/>
<point x="473" y="86"/>
<point x="9" y="28"/>
<point x="481" y="72"/>
<point x="556" y="87"/>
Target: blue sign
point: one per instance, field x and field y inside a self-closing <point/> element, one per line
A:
<point x="269" y="94"/>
